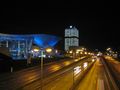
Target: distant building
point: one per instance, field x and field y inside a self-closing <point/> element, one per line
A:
<point x="21" y="45"/>
<point x="71" y="37"/>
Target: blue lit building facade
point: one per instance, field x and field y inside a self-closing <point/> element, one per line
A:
<point x="20" y="45"/>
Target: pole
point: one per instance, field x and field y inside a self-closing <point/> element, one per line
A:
<point x="73" y="76"/>
<point x="41" y="69"/>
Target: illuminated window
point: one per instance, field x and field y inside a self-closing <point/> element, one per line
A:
<point x="71" y="37"/>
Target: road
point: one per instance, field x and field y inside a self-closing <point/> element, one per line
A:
<point x="98" y="78"/>
<point x="16" y="80"/>
<point x="62" y="80"/>
<point x="114" y="67"/>
<point x="75" y="74"/>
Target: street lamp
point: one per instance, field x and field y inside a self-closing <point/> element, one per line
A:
<point x="48" y="50"/>
<point x="108" y="49"/>
<point x="71" y="52"/>
<point x="81" y="52"/>
<point x="85" y="53"/>
<point x="41" y="69"/>
<point x="77" y="52"/>
<point x="35" y="50"/>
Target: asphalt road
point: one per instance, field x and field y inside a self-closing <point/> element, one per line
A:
<point x="114" y="67"/>
<point x="63" y="75"/>
<point x="62" y="80"/>
<point x="16" y="80"/>
<point x="98" y="78"/>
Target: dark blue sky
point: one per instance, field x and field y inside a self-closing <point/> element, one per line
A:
<point x="98" y="26"/>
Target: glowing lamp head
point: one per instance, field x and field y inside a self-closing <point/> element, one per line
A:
<point x="35" y="50"/>
<point x="56" y="51"/>
<point x="108" y="49"/>
<point x="48" y="50"/>
<point x="81" y="52"/>
<point x="77" y="52"/>
<point x="70" y="52"/>
<point x="85" y="52"/>
<point x="89" y="53"/>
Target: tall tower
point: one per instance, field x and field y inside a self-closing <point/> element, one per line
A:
<point x="71" y="37"/>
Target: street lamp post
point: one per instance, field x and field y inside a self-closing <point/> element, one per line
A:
<point x="41" y="69"/>
<point x="48" y="50"/>
<point x="73" y="76"/>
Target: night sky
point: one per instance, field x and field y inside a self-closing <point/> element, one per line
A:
<point x="98" y="27"/>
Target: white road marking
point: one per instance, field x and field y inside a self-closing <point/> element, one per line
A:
<point x="100" y="85"/>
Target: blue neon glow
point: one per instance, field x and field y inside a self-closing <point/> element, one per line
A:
<point x="45" y="40"/>
<point x="42" y="40"/>
<point x="38" y="41"/>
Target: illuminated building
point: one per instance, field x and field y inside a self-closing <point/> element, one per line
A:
<point x="71" y="37"/>
<point x="20" y="45"/>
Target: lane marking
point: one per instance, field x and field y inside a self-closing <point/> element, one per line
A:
<point x="100" y="84"/>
